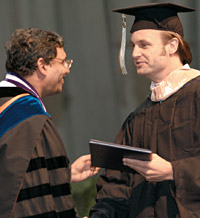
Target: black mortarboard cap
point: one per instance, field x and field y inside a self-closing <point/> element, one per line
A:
<point x="158" y="16"/>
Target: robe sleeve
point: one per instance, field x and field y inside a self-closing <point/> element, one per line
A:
<point x="186" y="171"/>
<point x="14" y="164"/>
<point x="113" y="195"/>
<point x="187" y="182"/>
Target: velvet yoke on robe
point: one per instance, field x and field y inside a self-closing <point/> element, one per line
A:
<point x="35" y="172"/>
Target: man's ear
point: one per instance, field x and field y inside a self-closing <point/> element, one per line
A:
<point x="173" y="46"/>
<point x="42" y="67"/>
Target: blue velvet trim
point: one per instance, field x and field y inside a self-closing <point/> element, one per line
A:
<point x="18" y="111"/>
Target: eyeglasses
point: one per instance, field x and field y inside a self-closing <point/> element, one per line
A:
<point x="65" y="62"/>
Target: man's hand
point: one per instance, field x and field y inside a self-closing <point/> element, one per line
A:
<point x="156" y="170"/>
<point x="81" y="169"/>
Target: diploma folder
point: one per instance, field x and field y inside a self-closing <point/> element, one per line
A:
<point x="109" y="155"/>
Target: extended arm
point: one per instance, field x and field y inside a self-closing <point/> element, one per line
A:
<point x="81" y="169"/>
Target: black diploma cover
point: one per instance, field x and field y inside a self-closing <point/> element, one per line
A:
<point x="109" y="155"/>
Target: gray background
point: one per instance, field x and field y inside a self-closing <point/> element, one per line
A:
<point x="96" y="98"/>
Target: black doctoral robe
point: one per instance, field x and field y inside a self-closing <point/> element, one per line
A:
<point x="34" y="167"/>
<point x="171" y="129"/>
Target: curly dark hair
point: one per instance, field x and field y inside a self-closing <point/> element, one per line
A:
<point x="27" y="45"/>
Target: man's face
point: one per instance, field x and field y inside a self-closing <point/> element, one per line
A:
<point x="57" y="71"/>
<point x="149" y="54"/>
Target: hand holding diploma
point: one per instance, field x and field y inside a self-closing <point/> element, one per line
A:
<point x="81" y="169"/>
<point x="155" y="170"/>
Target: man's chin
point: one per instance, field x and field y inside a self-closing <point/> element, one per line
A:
<point x="56" y="92"/>
<point x="140" y="72"/>
<point x="59" y="91"/>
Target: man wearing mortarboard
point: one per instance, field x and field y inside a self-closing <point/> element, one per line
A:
<point x="168" y="123"/>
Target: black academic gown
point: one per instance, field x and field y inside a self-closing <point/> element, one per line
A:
<point x="34" y="167"/>
<point x="171" y="129"/>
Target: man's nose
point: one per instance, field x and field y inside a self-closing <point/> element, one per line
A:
<point x="136" y="52"/>
<point x="68" y="65"/>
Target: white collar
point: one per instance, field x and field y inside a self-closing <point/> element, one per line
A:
<point x="172" y="83"/>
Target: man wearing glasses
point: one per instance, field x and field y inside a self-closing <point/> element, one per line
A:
<point x="35" y="175"/>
